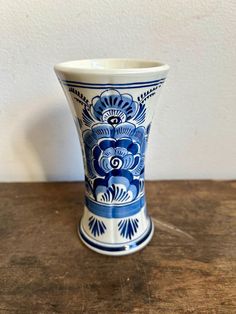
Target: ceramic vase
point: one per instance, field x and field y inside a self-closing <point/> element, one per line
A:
<point x="113" y="102"/>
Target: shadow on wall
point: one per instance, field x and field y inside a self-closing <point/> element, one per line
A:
<point x="52" y="139"/>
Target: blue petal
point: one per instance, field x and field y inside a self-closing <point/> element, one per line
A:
<point x="109" y="152"/>
<point x="120" y="173"/>
<point x="133" y="148"/>
<point x="139" y="168"/>
<point x="136" y="161"/>
<point x="128" y="161"/>
<point x="124" y="130"/>
<point x="134" y="188"/>
<point x="107" y="143"/>
<point x="115" y="189"/>
<point x="98" y="169"/>
<point x="139" y="134"/>
<point x="114" y="194"/>
<point x="112" y="99"/>
<point x="121" y="151"/>
<point x="97" y="152"/>
<point x="105" y="164"/>
<point x="119" y="180"/>
<point x="102" y="130"/>
<point x="125" y="142"/>
<point x="89" y="138"/>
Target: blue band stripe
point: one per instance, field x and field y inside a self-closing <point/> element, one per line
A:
<point x="118" y="248"/>
<point x="115" y="211"/>
<point x="114" y="84"/>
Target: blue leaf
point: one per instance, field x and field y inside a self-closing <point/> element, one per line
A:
<point x="87" y="117"/>
<point x="128" y="227"/>
<point x="97" y="227"/>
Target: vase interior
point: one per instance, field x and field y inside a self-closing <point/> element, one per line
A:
<point x="114" y="64"/>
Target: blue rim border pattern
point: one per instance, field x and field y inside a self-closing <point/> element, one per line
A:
<point x="125" y="247"/>
<point x="110" y="85"/>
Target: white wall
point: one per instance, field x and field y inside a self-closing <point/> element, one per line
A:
<point x="194" y="130"/>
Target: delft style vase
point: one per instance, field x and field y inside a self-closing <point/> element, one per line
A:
<point x="112" y="102"/>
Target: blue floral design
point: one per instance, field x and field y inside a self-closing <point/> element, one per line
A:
<point x="115" y="153"/>
<point x="121" y="147"/>
<point x="114" y="145"/>
<point x="113" y="107"/>
<point x="118" y="186"/>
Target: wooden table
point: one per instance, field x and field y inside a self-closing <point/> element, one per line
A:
<point x="189" y="266"/>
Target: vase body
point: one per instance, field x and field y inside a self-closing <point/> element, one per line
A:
<point x="112" y="102"/>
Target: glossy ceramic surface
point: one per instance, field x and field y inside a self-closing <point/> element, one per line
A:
<point x="113" y="101"/>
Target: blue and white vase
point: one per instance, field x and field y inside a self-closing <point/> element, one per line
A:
<point x="112" y="102"/>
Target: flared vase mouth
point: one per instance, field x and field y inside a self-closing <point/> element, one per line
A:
<point x="111" y="66"/>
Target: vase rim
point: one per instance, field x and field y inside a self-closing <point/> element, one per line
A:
<point x="112" y="66"/>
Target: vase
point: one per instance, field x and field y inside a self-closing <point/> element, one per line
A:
<point x="113" y="102"/>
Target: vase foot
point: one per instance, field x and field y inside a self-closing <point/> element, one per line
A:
<point x="117" y="250"/>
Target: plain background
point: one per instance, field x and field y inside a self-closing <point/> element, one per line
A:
<point x="194" y="130"/>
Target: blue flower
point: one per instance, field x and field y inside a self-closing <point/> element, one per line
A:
<point x="113" y="107"/>
<point x="117" y="187"/>
<point x="114" y="144"/>
<point x="113" y="154"/>
<point x="114" y="147"/>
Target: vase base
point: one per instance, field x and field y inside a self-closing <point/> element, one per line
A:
<point x="117" y="250"/>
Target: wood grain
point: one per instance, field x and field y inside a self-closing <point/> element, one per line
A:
<point x="189" y="267"/>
